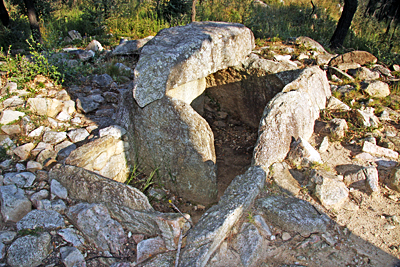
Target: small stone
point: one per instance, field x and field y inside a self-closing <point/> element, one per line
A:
<point x="7" y="237"/>
<point x="86" y="55"/>
<point x="36" y="197"/>
<point x="95" y="46"/>
<point x="85" y="105"/>
<point x="389" y="227"/>
<point x="57" y="190"/>
<point x="14" y="203"/>
<point x="33" y="166"/>
<point x="364" y="73"/>
<point x="302" y="153"/>
<point x="286" y="236"/>
<point x="323" y="147"/>
<point x="328" y="239"/>
<point x="78" y="135"/>
<point x="37" y="132"/>
<point x="63" y="116"/>
<point x="72" y="257"/>
<point x="377" y="89"/>
<point x="9" y="116"/>
<point x="103" y="80"/>
<point x="13" y="101"/>
<point x="22" y="179"/>
<point x="336" y="104"/>
<point x="282" y="57"/>
<point x="76" y="121"/>
<point x="6" y="164"/>
<point x="53" y="205"/>
<point x="87" y="217"/>
<point x="262" y="226"/>
<point x="64" y="152"/>
<point x="372" y="179"/>
<point x="394" y="181"/>
<point x="114" y="130"/>
<point x="379" y="151"/>
<point x="11" y="129"/>
<point x="20" y="167"/>
<point x="71" y="236"/>
<point x="42" y="176"/>
<point x="40" y="147"/>
<point x="329" y="189"/>
<point x="54" y="137"/>
<point x="24" y="151"/>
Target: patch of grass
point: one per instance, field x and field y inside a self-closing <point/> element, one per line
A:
<point x="34" y="232"/>
<point x="139" y="180"/>
<point x="250" y="217"/>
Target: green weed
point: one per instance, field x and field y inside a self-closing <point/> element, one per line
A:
<point x="250" y="217"/>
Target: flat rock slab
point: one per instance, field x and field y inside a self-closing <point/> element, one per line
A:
<point x="95" y="222"/>
<point x="46" y="219"/>
<point x="90" y="187"/>
<point x="178" y="55"/>
<point x="28" y="251"/>
<point x="205" y="238"/>
<point x="292" y="214"/>
<point x="360" y="57"/>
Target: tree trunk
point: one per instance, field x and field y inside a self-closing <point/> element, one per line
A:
<point x="194" y="10"/>
<point x="33" y="21"/>
<point x="349" y="9"/>
<point x="4" y="17"/>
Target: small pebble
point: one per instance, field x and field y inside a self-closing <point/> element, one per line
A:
<point x="286" y="236"/>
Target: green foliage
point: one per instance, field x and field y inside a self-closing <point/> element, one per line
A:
<point x="21" y="69"/>
<point x="3" y="154"/>
<point x="34" y="232"/>
<point x="250" y="217"/>
<point x="139" y="180"/>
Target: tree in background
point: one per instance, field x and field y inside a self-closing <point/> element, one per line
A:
<point x="5" y="19"/>
<point x="33" y="21"/>
<point x="388" y="10"/>
<point x="194" y="10"/>
<point x="349" y="9"/>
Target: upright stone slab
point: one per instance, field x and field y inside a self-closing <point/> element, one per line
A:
<point x="178" y="55"/>
<point x="291" y="113"/>
<point x="172" y="138"/>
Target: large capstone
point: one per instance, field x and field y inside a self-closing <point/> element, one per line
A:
<point x="180" y="55"/>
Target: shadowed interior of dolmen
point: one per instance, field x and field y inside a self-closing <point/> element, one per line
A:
<point x="233" y="104"/>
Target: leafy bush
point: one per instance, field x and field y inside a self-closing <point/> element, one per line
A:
<point x="21" y="69"/>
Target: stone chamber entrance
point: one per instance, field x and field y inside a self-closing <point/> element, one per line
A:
<point x="232" y="104"/>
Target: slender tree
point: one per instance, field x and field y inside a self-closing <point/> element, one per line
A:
<point x="4" y="17"/>
<point x="349" y="9"/>
<point x="33" y="21"/>
<point x="194" y="10"/>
